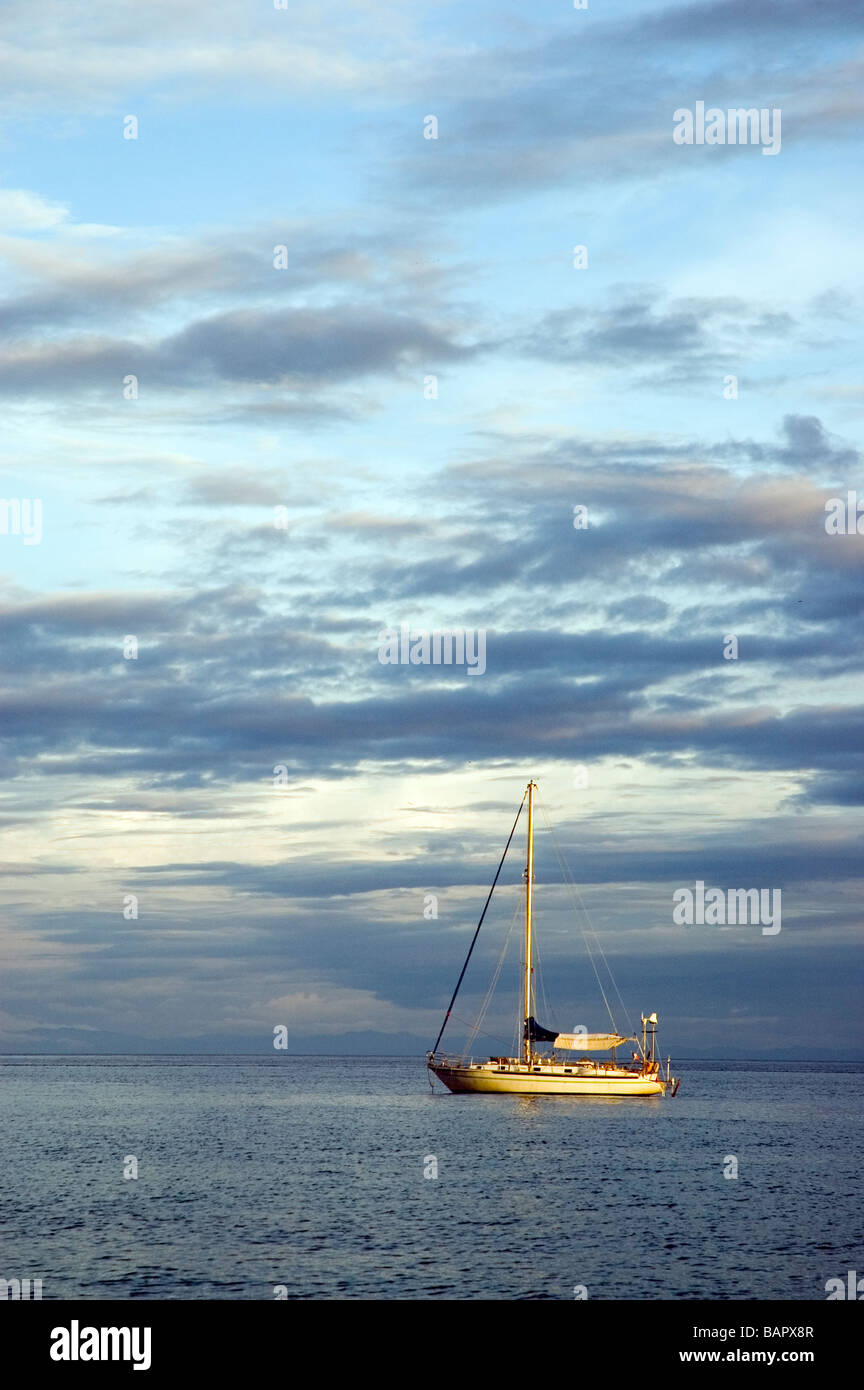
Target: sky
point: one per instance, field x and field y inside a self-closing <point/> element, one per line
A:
<point x="320" y="321"/>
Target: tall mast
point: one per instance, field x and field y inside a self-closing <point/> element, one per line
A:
<point x="529" y="876"/>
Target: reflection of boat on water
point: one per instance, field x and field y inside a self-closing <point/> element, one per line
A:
<point x="539" y="1073"/>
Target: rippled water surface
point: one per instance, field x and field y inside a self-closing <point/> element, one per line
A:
<point x="309" y="1173"/>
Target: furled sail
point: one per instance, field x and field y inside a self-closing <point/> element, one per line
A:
<point x="589" y="1042"/>
<point x="532" y="1032"/>
<point x="573" y="1042"/>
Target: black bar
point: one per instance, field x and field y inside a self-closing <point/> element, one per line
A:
<point x="642" y="1338"/>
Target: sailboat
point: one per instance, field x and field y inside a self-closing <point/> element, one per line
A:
<point x="551" y="1073"/>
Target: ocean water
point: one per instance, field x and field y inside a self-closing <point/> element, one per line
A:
<point x="309" y="1173"/>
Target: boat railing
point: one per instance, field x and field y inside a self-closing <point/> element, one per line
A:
<point x="584" y="1064"/>
<point x="445" y="1059"/>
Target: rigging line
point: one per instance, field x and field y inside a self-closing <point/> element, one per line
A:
<point x="592" y="945"/>
<point x="543" y="1008"/>
<point x="480" y="923"/>
<point x="598" y="946"/>
<point x="516" y="1050"/>
<point x="585" y="937"/>
<point x="491" y="990"/>
<point x="482" y="1032"/>
<point x="492" y="984"/>
<point x="569" y="880"/>
<point x="523" y="1008"/>
<point x="541" y="1003"/>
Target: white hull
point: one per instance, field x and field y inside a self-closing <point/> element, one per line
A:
<point x="547" y="1081"/>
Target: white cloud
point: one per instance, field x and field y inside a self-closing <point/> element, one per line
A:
<point x="335" y="1009"/>
<point x="74" y="58"/>
<point x="22" y="211"/>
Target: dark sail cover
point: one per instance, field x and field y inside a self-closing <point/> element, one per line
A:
<point x="534" y="1033"/>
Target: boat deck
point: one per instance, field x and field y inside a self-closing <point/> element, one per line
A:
<point x="550" y="1065"/>
<point x="549" y="1075"/>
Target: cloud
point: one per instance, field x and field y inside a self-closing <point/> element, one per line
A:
<point x="773" y="21"/>
<point x="679" y="342"/>
<point x="590" y="124"/>
<point x="257" y="646"/>
<point x="198" y="319"/>
<point x="88" y="282"/>
<point x="242" y="486"/>
<point x="89" y="60"/>
<point x="23" y="211"/>
<point x="244" y="348"/>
